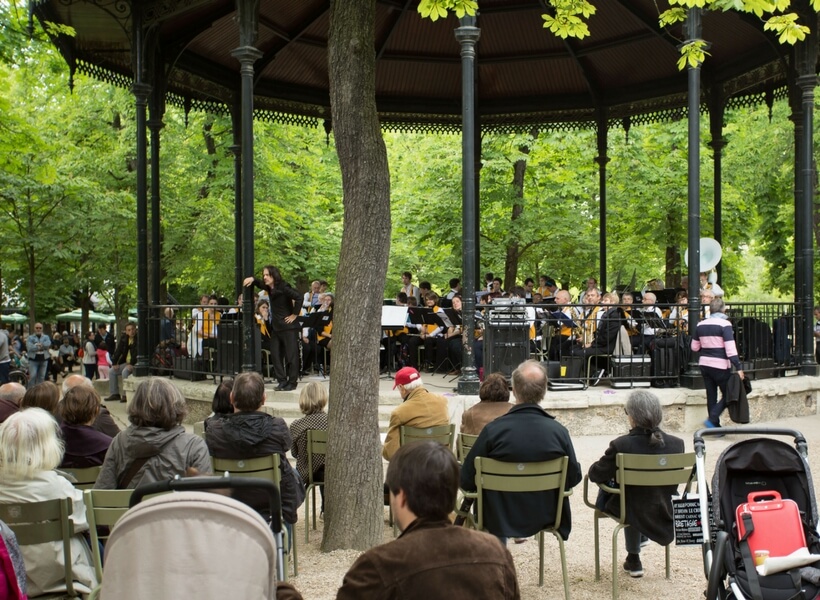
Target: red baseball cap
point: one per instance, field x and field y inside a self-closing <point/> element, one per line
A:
<point x="405" y="375"/>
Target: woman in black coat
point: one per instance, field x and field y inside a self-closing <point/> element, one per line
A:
<point x="648" y="509"/>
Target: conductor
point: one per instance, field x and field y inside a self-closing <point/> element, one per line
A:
<point x="285" y="303"/>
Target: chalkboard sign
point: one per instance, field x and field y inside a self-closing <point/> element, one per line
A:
<point x="688" y="528"/>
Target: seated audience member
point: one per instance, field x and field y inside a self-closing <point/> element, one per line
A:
<point x="527" y="433"/>
<point x="123" y="361"/>
<point x="251" y="433"/>
<point x="312" y="402"/>
<point x="84" y="446"/>
<point x="495" y="401"/>
<point x="68" y="354"/>
<point x="104" y="422"/>
<point x="431" y="555"/>
<point x="11" y="394"/>
<point x="30" y="450"/>
<point x="648" y="509"/>
<point x="221" y="405"/>
<point x="419" y="408"/>
<point x="44" y="395"/>
<point x="155" y="446"/>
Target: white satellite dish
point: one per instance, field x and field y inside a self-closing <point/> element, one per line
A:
<point x="710" y="254"/>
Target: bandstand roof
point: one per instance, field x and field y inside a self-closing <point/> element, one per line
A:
<point x="526" y="75"/>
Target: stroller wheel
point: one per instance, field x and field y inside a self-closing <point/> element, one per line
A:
<point x="18" y="377"/>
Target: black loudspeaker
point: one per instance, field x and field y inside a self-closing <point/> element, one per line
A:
<point x="229" y="348"/>
<point x="505" y="347"/>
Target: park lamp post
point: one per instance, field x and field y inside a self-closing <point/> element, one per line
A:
<point x="467" y="35"/>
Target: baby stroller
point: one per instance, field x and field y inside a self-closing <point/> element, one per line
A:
<point x="18" y="373"/>
<point x="762" y="496"/>
<point x="194" y="544"/>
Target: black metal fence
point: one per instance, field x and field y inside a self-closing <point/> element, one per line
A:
<point x="195" y="342"/>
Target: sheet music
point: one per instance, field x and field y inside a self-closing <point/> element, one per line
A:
<point x="394" y="316"/>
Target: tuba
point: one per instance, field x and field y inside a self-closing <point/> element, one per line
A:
<point x="710" y="255"/>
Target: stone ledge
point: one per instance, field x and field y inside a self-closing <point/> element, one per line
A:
<point x="594" y="411"/>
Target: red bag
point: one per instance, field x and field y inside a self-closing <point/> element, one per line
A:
<point x="776" y="524"/>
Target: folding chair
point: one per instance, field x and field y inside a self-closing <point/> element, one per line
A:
<point x="465" y="443"/>
<point x="199" y="429"/>
<point x="263" y="467"/>
<point x="646" y="470"/>
<point x="103" y="509"/>
<point x="84" y="479"/>
<point x="42" y="522"/>
<point x="518" y="477"/>
<point x="443" y="434"/>
<point x="316" y="444"/>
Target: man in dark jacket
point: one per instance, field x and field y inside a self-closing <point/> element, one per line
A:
<point x="251" y="433"/>
<point x="431" y="558"/>
<point x="122" y="363"/>
<point x="527" y="433"/>
<point x="285" y="304"/>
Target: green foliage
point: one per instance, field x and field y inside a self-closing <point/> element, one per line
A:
<point x="569" y="19"/>
<point x="438" y="9"/>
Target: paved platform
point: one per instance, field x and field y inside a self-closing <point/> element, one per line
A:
<point x="593" y="411"/>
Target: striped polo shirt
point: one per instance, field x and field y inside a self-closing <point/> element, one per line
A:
<point x="715" y="341"/>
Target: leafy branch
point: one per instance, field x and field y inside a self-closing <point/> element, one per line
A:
<point x="571" y="16"/>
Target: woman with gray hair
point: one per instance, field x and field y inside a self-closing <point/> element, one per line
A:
<point x="648" y="509"/>
<point x="155" y="446"/>
<point x="30" y="451"/>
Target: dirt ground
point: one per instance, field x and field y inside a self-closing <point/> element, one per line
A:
<point x="320" y="574"/>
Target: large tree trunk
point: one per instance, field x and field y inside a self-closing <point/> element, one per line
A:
<point x="354" y="516"/>
<point x="513" y="253"/>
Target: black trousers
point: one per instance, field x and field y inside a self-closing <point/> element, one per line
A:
<point x="284" y="354"/>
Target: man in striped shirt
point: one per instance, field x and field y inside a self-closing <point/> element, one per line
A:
<point x="715" y="341"/>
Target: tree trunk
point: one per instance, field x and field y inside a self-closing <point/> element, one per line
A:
<point x="513" y="246"/>
<point x="355" y="512"/>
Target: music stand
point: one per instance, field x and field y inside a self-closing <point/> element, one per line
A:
<point x="393" y="319"/>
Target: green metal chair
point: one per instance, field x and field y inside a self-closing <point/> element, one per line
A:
<point x="465" y="443"/>
<point x="103" y="509"/>
<point x="518" y="477"/>
<point x="316" y="444"/>
<point x="443" y="434"/>
<point x="199" y="429"/>
<point x="84" y="478"/>
<point x="263" y="467"/>
<point x="42" y="522"/>
<point x="645" y="470"/>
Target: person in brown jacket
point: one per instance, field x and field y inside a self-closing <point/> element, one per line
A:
<point x="495" y="401"/>
<point x="419" y="409"/>
<point x="431" y="558"/>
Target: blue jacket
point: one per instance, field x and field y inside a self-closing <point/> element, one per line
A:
<point x="35" y="353"/>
